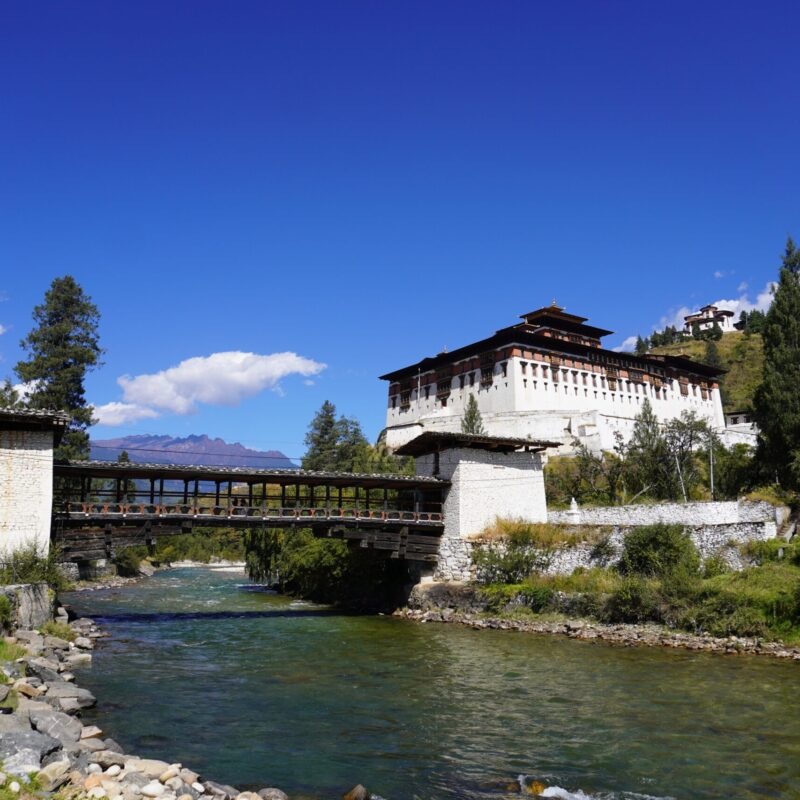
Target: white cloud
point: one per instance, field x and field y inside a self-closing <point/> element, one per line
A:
<point x="742" y="287"/>
<point x="122" y="413"/>
<point x="221" y="379"/>
<point x="3" y="329"/>
<point x="24" y="389"/>
<point x="627" y="346"/>
<point x="719" y="274"/>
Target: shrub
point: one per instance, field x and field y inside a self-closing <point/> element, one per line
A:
<point x="714" y="565"/>
<point x="603" y="551"/>
<point x="503" y="562"/>
<point x="59" y="629"/>
<point x="634" y="601"/>
<point x="127" y="563"/>
<point x="764" y="552"/>
<point x="658" y="551"/>
<point x="6" y="612"/>
<point x="29" y="565"/>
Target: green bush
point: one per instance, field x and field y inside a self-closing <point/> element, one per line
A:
<point x="127" y="563"/>
<point x="634" y="601"/>
<point x="764" y="552"/>
<point x="59" y="629"/>
<point x="658" y="551"/>
<point x="29" y="565"/>
<point x="6" y="612"/>
<point x="507" y="562"/>
<point x="715" y="565"/>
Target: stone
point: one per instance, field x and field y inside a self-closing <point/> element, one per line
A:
<point x="84" y="643"/>
<point x="114" y="770"/>
<point x="149" y="766"/>
<point x="168" y="774"/>
<point x="54" y="775"/>
<point x="357" y="793"/>
<point x="23" y="762"/>
<point x="92" y="744"/>
<point x="68" y="691"/>
<point x="78" y="660"/>
<point x="247" y="796"/>
<point x="90" y="732"/>
<point x="185" y="797"/>
<point x="66" y="704"/>
<point x="189" y="777"/>
<point x="112" y="745"/>
<point x="3" y="778"/>
<point x="14" y="787"/>
<point x="56" y="724"/>
<point x="153" y="789"/>
<point x="32" y="604"/>
<point x="146" y="569"/>
<point x="94" y="769"/>
<point x="4" y="691"/>
<point x="221" y="790"/>
<point x="112" y="788"/>
<point x="175" y="784"/>
<point x="198" y="787"/>
<point x="56" y="643"/>
<point x="271" y="793"/>
<point x="108" y="758"/>
<point x="43" y="668"/>
<point x="11" y="743"/>
<point x="25" y="688"/>
<point x="137" y="779"/>
<point x="96" y="793"/>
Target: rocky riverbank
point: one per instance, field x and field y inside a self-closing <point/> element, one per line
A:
<point x="459" y="603"/>
<point x="44" y="746"/>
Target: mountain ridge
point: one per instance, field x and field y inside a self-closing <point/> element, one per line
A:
<point x="195" y="450"/>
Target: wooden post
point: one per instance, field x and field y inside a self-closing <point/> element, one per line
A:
<point x="283" y="495"/>
<point x="328" y="498"/>
<point x="357" y="498"/>
<point x="185" y="491"/>
<point x="385" y="499"/>
<point x="152" y="491"/>
<point x="216" y="501"/>
<point x="161" y="492"/>
<point x="118" y="490"/>
<point x="340" y="495"/>
<point x="230" y="493"/>
<point x="297" y="495"/>
<point x="250" y="495"/>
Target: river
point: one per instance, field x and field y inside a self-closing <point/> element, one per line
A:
<point x="256" y="689"/>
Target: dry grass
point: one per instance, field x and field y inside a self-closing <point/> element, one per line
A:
<point x="543" y="535"/>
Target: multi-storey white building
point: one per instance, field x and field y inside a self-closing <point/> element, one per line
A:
<point x="547" y="378"/>
<point x="707" y="316"/>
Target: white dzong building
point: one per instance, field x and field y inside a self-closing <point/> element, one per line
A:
<point x="707" y="316"/>
<point x="547" y="377"/>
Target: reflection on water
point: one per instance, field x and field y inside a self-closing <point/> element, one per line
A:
<point x="255" y="689"/>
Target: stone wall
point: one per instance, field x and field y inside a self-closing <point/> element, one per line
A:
<point x="26" y="489"/>
<point x="695" y="514"/>
<point x="31" y="604"/>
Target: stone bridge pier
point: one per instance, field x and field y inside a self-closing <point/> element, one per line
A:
<point x="489" y="477"/>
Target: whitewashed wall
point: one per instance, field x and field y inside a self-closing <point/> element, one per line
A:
<point x="26" y="489"/>
<point x="720" y="513"/>
<point x="484" y="485"/>
<point x="526" y="404"/>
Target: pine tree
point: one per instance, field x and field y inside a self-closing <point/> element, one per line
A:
<point x="472" y="421"/>
<point x="716" y="332"/>
<point x="321" y="440"/>
<point x="9" y="397"/>
<point x="641" y="346"/>
<point x="711" y="357"/>
<point x="62" y="348"/>
<point x="648" y="464"/>
<point x="777" y="400"/>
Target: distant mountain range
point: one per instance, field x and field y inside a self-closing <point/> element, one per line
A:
<point x="195" y="450"/>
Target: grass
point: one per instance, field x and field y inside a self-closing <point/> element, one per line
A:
<point x="59" y="629"/>
<point x="742" y="355"/>
<point x="541" y="534"/>
<point x="11" y="652"/>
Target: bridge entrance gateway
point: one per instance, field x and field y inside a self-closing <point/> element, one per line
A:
<point x="462" y="483"/>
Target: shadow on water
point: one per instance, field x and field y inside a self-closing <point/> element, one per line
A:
<point x="171" y="616"/>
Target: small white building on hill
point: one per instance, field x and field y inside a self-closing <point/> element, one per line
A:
<point x="547" y="378"/>
<point x="707" y="316"/>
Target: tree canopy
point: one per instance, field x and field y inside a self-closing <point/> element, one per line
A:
<point x="472" y="422"/>
<point x="777" y="400"/>
<point x="62" y="347"/>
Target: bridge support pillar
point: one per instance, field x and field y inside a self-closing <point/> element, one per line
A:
<point x="489" y="478"/>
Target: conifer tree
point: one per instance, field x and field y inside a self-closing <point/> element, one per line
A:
<point x="472" y="421"/>
<point x="641" y="346"/>
<point x="777" y="400"/>
<point x="321" y="440"/>
<point x="62" y="348"/>
<point x="9" y="396"/>
<point x="711" y="357"/>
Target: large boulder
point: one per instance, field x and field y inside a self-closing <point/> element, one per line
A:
<point x="58" y="725"/>
<point x="32" y="604"/>
<point x="14" y="742"/>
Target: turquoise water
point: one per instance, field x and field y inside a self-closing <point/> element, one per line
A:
<point x="256" y="689"/>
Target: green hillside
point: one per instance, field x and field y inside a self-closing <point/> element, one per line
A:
<point x="742" y="355"/>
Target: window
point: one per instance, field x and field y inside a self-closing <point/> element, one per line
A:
<point x="394" y="402"/>
<point x="427" y="392"/>
<point x="472" y="379"/>
<point x="504" y="368"/>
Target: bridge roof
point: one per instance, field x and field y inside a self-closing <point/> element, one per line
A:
<point x="431" y="441"/>
<point x="130" y="470"/>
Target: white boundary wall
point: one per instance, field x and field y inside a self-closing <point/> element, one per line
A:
<point x="695" y="514"/>
<point x="26" y="489"/>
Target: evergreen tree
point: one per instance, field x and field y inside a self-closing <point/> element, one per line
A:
<point x="321" y="440"/>
<point x="61" y="349"/>
<point x="9" y="397"/>
<point x="696" y="332"/>
<point x="716" y="332"/>
<point x="647" y="457"/>
<point x="777" y="400"/>
<point x="641" y="346"/>
<point x="711" y="357"/>
<point x="472" y="421"/>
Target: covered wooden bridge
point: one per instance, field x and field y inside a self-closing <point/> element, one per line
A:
<point x="101" y="506"/>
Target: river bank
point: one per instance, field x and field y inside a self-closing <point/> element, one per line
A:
<point x="461" y="604"/>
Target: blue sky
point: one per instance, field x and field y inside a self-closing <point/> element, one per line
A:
<point x="363" y="184"/>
